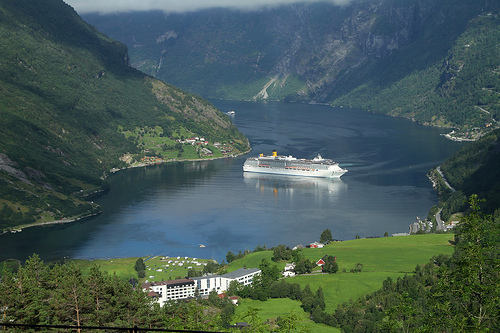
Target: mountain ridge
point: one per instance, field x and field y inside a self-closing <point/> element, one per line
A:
<point x="68" y="101"/>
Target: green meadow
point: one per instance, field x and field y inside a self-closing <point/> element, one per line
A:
<point x="166" y="147"/>
<point x="381" y="258"/>
<point x="123" y="267"/>
<point x="387" y="254"/>
<point x="274" y="308"/>
<point x="158" y="268"/>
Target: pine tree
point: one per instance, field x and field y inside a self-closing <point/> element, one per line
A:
<point x="9" y="296"/>
<point x="320" y="297"/>
<point x="468" y="296"/>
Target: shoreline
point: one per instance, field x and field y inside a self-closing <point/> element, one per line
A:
<point x="65" y="220"/>
<point x="72" y="219"/>
<point x="141" y="165"/>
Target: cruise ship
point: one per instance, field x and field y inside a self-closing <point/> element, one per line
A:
<point x="291" y="166"/>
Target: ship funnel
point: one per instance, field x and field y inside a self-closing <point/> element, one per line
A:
<point x="275" y="153"/>
<point x="261" y="155"/>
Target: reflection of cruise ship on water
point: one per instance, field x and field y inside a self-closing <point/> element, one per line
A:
<point x="290" y="185"/>
<point x="291" y="166"/>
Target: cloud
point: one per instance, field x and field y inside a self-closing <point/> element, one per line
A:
<point x="112" y="6"/>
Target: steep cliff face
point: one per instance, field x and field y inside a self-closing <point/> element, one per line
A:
<point x="308" y="52"/>
<point x="375" y="37"/>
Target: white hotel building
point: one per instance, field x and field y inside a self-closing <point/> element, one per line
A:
<point x="185" y="288"/>
<point x="170" y="290"/>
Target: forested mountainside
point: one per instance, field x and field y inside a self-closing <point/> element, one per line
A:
<point x="68" y="97"/>
<point x="412" y="58"/>
<point x="473" y="170"/>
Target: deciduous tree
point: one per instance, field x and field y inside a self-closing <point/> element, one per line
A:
<point x="330" y="265"/>
<point x="326" y="236"/>
<point x="304" y="266"/>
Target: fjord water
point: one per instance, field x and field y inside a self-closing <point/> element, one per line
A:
<point x="170" y="209"/>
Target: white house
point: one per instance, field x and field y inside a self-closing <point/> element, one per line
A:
<point x="289" y="270"/>
<point x="316" y="245"/>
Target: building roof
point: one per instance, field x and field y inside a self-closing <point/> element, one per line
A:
<point x="170" y="283"/>
<point x="241" y="272"/>
<point x="320" y="262"/>
<point x="233" y="275"/>
<point x="153" y="294"/>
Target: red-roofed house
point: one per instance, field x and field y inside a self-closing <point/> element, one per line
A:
<point x="233" y="299"/>
<point x="320" y="262"/>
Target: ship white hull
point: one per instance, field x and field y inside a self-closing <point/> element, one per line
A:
<point x="295" y="172"/>
<point x="290" y="166"/>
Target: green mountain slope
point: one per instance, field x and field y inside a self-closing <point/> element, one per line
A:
<point x="67" y="96"/>
<point x="405" y="58"/>
<point x="473" y="170"/>
<point x="462" y="89"/>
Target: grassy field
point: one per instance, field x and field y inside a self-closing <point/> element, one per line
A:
<point x="381" y="258"/>
<point x="171" y="267"/>
<point x="123" y="267"/>
<point x="152" y="139"/>
<point x="158" y="268"/>
<point x="252" y="261"/>
<point x="274" y="308"/>
<point x="342" y="287"/>
<point x="388" y="254"/>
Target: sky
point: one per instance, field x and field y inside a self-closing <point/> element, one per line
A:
<point x="111" y="6"/>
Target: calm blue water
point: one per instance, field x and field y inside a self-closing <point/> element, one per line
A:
<point x="172" y="208"/>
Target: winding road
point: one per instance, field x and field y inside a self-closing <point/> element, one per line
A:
<point x="444" y="179"/>
<point x="439" y="223"/>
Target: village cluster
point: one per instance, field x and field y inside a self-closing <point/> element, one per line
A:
<point x="197" y="141"/>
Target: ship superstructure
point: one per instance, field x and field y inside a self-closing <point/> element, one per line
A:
<point x="289" y="165"/>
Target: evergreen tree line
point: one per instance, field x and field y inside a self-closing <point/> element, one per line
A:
<point x="42" y="294"/>
<point x="449" y="294"/>
<point x="60" y="294"/>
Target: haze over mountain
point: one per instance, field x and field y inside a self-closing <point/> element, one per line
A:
<point x="115" y="6"/>
<point x="409" y="58"/>
<point x="69" y="102"/>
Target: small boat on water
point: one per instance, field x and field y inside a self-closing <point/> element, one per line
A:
<point x="231" y="113"/>
<point x="201" y="245"/>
